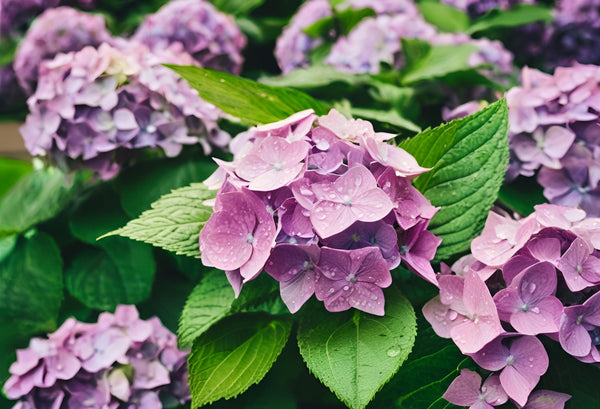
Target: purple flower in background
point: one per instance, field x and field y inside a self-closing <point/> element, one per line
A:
<point x="578" y="327"/>
<point x="477" y="8"/>
<point x="59" y="30"/>
<point x="209" y="36"/>
<point x="579" y="267"/>
<point x="545" y="399"/>
<point x="466" y="390"/>
<point x="320" y="204"/>
<point x="522" y="360"/>
<point x="353" y="278"/>
<point x="120" y="360"/>
<point x="529" y="303"/>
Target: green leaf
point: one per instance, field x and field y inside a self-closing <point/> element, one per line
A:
<point x="315" y="76"/>
<point x="247" y="100"/>
<point x="98" y="215"/>
<point x="6" y="246"/>
<point x="237" y="7"/>
<point x="120" y="272"/>
<point x="356" y="354"/>
<point x="213" y="299"/>
<point x="425" y="376"/>
<point x="469" y="157"/>
<point x="391" y="117"/>
<point x="174" y="222"/>
<point x="11" y="171"/>
<point x="444" y="17"/>
<point x="144" y="184"/>
<point x="31" y="287"/>
<point x="36" y="197"/>
<point x="31" y="292"/>
<point x="342" y="22"/>
<point x="435" y="62"/>
<point x="233" y="355"/>
<point x="519" y="15"/>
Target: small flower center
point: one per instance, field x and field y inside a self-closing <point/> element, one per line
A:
<point x="579" y="320"/>
<point x="579" y="269"/>
<point x="524" y="307"/>
<point x="510" y="360"/>
<point x="404" y="249"/>
<point x="351" y="278"/>
<point x="307" y="265"/>
<point x="278" y="166"/>
<point x="249" y="238"/>
<point x="356" y="237"/>
<point x="373" y="240"/>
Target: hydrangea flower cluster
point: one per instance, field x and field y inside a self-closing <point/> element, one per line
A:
<point x="375" y="39"/>
<point x="477" y="8"/>
<point x="97" y="105"/>
<point x="325" y="206"/>
<point x="211" y="37"/>
<point x="536" y="276"/>
<point x="554" y="124"/>
<point x="575" y="33"/>
<point x="119" y="362"/>
<point x="57" y="30"/>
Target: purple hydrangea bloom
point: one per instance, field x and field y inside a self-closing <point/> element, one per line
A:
<point x="97" y="107"/>
<point x="466" y="390"/>
<point x="477" y="8"/>
<point x="59" y="30"/>
<point x="17" y="14"/>
<point x="554" y="128"/>
<point x="577" y="328"/>
<point x="521" y="360"/>
<point x="120" y="360"/>
<point x="211" y="37"/>
<point x="319" y="203"/>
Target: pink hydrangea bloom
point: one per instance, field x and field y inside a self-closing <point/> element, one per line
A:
<point x="466" y="390"/>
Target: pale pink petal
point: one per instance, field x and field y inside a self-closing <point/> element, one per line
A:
<point x="329" y="218"/>
<point x="464" y="389"/>
<point x="441" y="317"/>
<point x="298" y="290"/>
<point x="516" y="386"/>
<point x="494" y="392"/>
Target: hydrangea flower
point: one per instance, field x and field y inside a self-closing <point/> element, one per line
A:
<point x="211" y="37"/>
<point x="536" y="275"/>
<point x="554" y="128"/>
<point x="57" y="30"/>
<point x="98" y="106"/>
<point x="375" y="40"/>
<point x="477" y="8"/>
<point x="320" y="204"/>
<point x="466" y="390"/>
<point x="120" y="361"/>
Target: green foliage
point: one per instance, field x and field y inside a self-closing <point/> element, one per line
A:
<point x="174" y="222"/>
<point x="425" y="376"/>
<point x="121" y="271"/>
<point x="237" y="7"/>
<point x="145" y="183"/>
<point x="213" y="299"/>
<point x="469" y="157"/>
<point x="391" y="117"/>
<point x="443" y="16"/>
<point x="518" y="15"/>
<point x="342" y="22"/>
<point x="235" y="354"/>
<point x="315" y="76"/>
<point x="355" y="354"/>
<point x="522" y="195"/>
<point x="426" y="62"/>
<point x="36" y="197"/>
<point x="31" y="292"/>
<point x="11" y="171"/>
<point x="249" y="101"/>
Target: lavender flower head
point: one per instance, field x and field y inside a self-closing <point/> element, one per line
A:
<point x="15" y="15"/>
<point x="97" y="107"/>
<point x="58" y="30"/>
<point x="554" y="125"/>
<point x="211" y="37"/>
<point x="526" y="277"/>
<point x="374" y="40"/>
<point x="477" y="8"/>
<point x="325" y="206"/>
<point x="120" y="361"/>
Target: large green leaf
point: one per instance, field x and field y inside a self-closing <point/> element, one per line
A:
<point x="235" y="354"/>
<point x="31" y="292"/>
<point x="121" y="271"/>
<point x="425" y="376"/>
<point x="174" y="222"/>
<point x="434" y="62"/>
<point x="36" y="197"/>
<point x="519" y="15"/>
<point x="469" y="157"/>
<point x="316" y="76"/>
<point x="11" y="171"/>
<point x="356" y="354"/>
<point x="145" y="183"/>
<point x="250" y="101"/>
<point x="237" y="7"/>
<point x="444" y="16"/>
<point x="213" y="299"/>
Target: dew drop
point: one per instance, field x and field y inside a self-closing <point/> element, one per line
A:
<point x="393" y="352"/>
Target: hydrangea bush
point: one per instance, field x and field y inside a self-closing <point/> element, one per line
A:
<point x="119" y="362"/>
